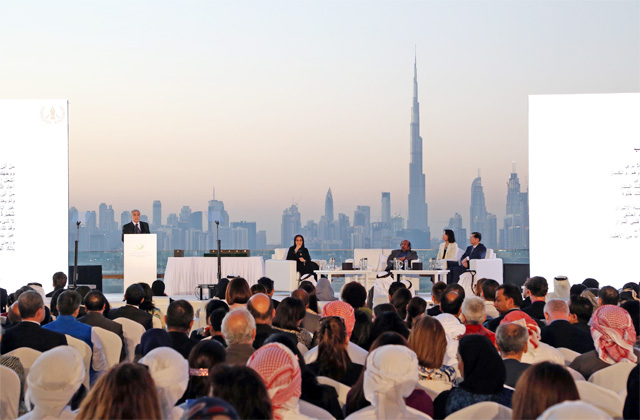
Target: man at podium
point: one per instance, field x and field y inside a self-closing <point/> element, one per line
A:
<point x="135" y="226"/>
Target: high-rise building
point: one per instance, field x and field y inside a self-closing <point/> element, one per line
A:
<point x="195" y="222"/>
<point x="290" y="225"/>
<point x="490" y="235"/>
<point x="125" y="217"/>
<point x="90" y="221"/>
<point x="386" y="208"/>
<point x="515" y="234"/>
<point x="455" y="224"/>
<point x="418" y="216"/>
<point x="106" y="218"/>
<point x="185" y="212"/>
<point x="328" y="207"/>
<point x="157" y="213"/>
<point x="251" y="233"/>
<point x="216" y="212"/>
<point x="261" y="239"/>
<point x="478" y="212"/>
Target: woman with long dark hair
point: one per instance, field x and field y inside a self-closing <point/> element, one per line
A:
<point x="308" y="287"/>
<point x="300" y="255"/>
<point x="289" y="316"/>
<point x="203" y="357"/>
<point x="147" y="305"/>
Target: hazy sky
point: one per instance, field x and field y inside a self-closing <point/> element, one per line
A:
<point x="272" y="102"/>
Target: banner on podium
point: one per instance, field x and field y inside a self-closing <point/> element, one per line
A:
<point x="140" y="259"/>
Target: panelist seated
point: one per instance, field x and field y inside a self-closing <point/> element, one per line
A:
<point x="448" y="248"/>
<point x="135" y="225"/>
<point x="403" y="254"/>
<point x="475" y="251"/>
<point x="300" y="255"/>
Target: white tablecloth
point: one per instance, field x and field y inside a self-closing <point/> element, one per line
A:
<point x="182" y="275"/>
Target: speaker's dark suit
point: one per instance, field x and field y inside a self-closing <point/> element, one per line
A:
<point x="133" y="313"/>
<point x="477" y="253"/>
<point x="130" y="228"/>
<point x="97" y="320"/>
<point x="30" y="334"/>
<point x="561" y="333"/>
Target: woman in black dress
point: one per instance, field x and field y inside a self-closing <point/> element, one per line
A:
<point x="300" y="255"/>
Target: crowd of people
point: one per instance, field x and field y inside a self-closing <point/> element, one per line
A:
<point x="523" y="350"/>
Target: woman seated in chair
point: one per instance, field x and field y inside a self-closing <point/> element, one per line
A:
<point x="448" y="248"/>
<point x="300" y="255"/>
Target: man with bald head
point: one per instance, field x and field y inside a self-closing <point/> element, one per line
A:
<point x="261" y="308"/>
<point x="559" y="332"/>
<point x="311" y="321"/>
<point x="239" y="331"/>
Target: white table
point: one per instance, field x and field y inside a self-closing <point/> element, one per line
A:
<point x="184" y="274"/>
<point x="364" y="274"/>
<point x="439" y="275"/>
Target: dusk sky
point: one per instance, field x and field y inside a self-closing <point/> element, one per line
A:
<point x="275" y="102"/>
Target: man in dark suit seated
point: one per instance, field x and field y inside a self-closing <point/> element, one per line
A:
<point x="179" y="321"/>
<point x="508" y="298"/>
<point x="475" y="251"/>
<point x="512" y="340"/>
<point x="135" y="226"/>
<point x="403" y="254"/>
<point x="560" y="333"/>
<point x="29" y="333"/>
<point x="59" y="282"/>
<point x="538" y="288"/>
<point x="133" y="296"/>
<point x="95" y="303"/>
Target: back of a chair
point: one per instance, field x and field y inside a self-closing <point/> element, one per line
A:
<point x="27" y="357"/>
<point x="568" y="355"/>
<point x="314" y="412"/>
<point x="483" y="410"/>
<point x="86" y="353"/>
<point x="577" y="376"/>
<point x="606" y="400"/>
<point x="613" y="377"/>
<point x="340" y="388"/>
<point x="132" y="332"/>
<point x="10" y="395"/>
<point x="280" y="253"/>
<point x="302" y="348"/>
<point x="111" y="345"/>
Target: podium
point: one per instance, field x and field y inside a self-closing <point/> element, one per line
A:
<point x="140" y="259"/>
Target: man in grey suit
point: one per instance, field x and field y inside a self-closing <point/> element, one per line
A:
<point x="403" y="254"/>
<point x="95" y="302"/>
<point x="311" y="321"/>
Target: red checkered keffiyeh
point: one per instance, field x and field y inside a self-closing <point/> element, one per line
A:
<point x="343" y="310"/>
<point x="280" y="370"/>
<point x="613" y="334"/>
<point x="526" y="321"/>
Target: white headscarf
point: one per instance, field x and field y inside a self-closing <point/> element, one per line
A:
<point x="561" y="289"/>
<point x="578" y="410"/>
<point x="170" y="372"/>
<point x="391" y="376"/>
<point x="53" y="379"/>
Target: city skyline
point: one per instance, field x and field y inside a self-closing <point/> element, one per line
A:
<point x="273" y="103"/>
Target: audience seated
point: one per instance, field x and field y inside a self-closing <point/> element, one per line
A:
<point x="508" y="299"/>
<point x="388" y="321"/>
<point x="157" y="288"/>
<point x="536" y="350"/>
<point x="170" y="373"/>
<point x="323" y="290"/>
<point x="133" y="296"/>
<point x="383" y="308"/>
<point x="147" y="305"/>
<point x="415" y="309"/>
<point x="29" y="333"/>
<point x="289" y="316"/>
<point x="561" y="288"/>
<point x="436" y="296"/>
<point x="244" y="389"/>
<point x="512" y="340"/>
<point x="580" y="311"/>
<point x="355" y="295"/>
<point x="311" y="321"/>
<point x="473" y="315"/>
<point x="538" y="288"/>
<point x="631" y="405"/>
<point x="540" y="387"/>
<point x="429" y="341"/>
<point x="238" y="293"/>
<point x="608" y="296"/>
<point x="59" y="282"/>
<point x="308" y="287"/>
<point x="362" y="329"/>
<point x="152" y="339"/>
<point x="483" y="374"/>
<point x="258" y="288"/>
<point x="261" y="308"/>
<point x="239" y="330"/>
<point x="560" y="333"/>
<point x="488" y="294"/>
<point x="390" y="377"/>
<point x="126" y="391"/>
<point x="95" y="304"/>
<point x="212" y="305"/>
<point x="179" y="320"/>
<point x="280" y="371"/>
<point x="400" y="300"/>
<point x="613" y="337"/>
<point x="203" y="357"/>
<point x="633" y="308"/>
<point x="451" y="305"/>
<point x="268" y="284"/>
<point x="215" y="322"/>
<point x="591" y="283"/>
<point x="210" y="408"/>
<point x="333" y="359"/>
<point x="15" y="365"/>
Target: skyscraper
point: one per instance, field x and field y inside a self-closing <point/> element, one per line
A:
<point x="216" y="212"/>
<point x="386" y="208"/>
<point x="418" y="219"/>
<point x="515" y="234"/>
<point x="290" y="225"/>
<point x="328" y="207"/>
<point x="157" y="213"/>
<point x="478" y="216"/>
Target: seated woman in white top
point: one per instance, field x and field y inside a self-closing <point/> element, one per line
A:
<point x="448" y="248"/>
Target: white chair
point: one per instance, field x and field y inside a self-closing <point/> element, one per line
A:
<point x="577" y="376"/>
<point x="86" y="353"/>
<point x="605" y="399"/>
<point x="490" y="268"/>
<point x="302" y="348"/>
<point x="488" y="410"/>
<point x="613" y="377"/>
<point x="27" y="357"/>
<point x="313" y="411"/>
<point x="568" y="355"/>
<point x="459" y="253"/>
<point x="132" y="332"/>
<point x="10" y="395"/>
<point x="282" y="271"/>
<point x="111" y="346"/>
<point x="340" y="388"/>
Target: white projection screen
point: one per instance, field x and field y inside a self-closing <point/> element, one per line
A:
<point x="34" y="191"/>
<point x="584" y="192"/>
